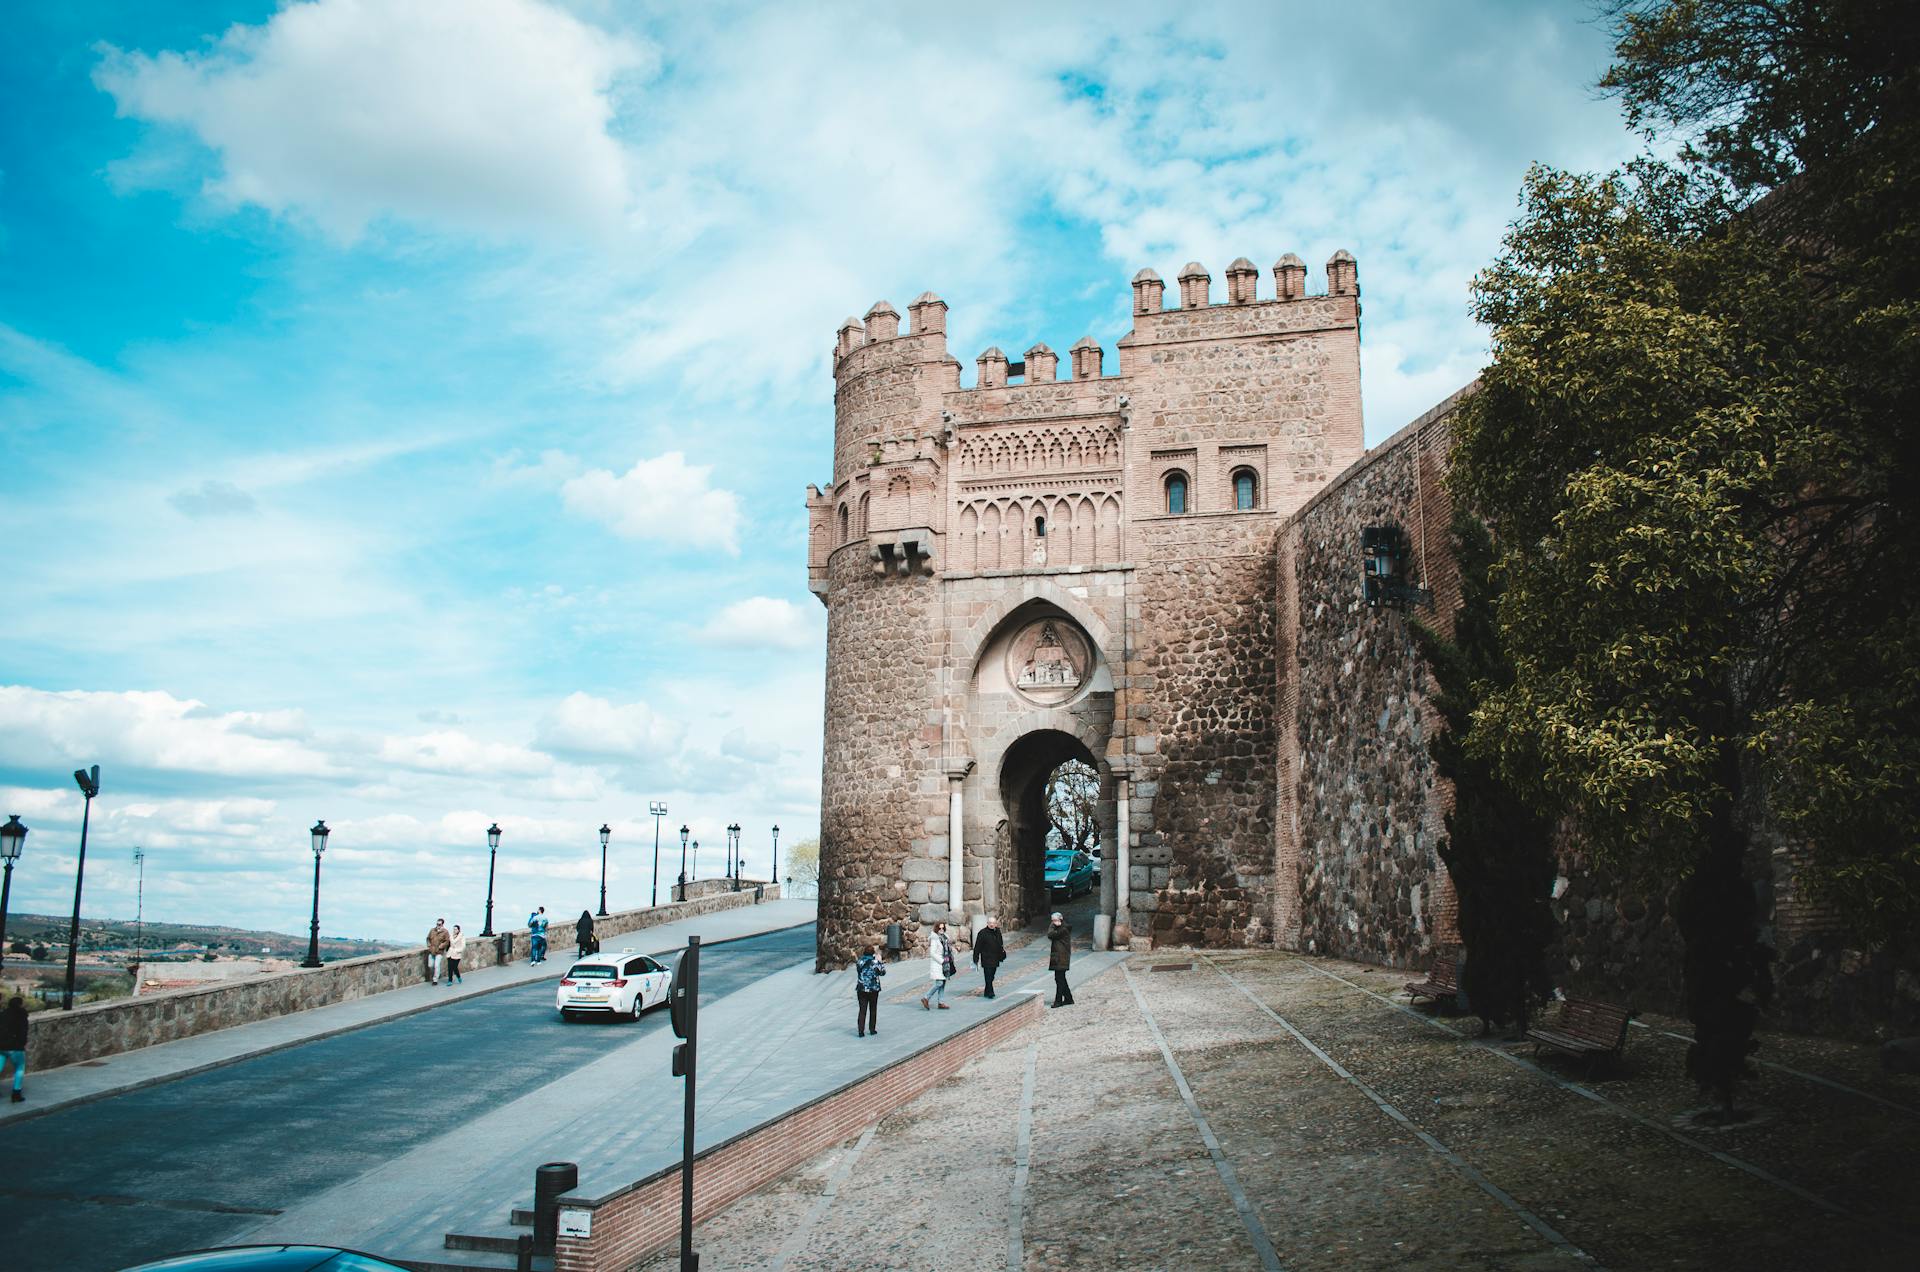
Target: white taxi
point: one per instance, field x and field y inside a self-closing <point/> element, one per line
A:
<point x="623" y="984"/>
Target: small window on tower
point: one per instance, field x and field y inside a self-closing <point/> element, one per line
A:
<point x="1039" y="527"/>
<point x="1246" y="491"/>
<point x="1176" y="493"/>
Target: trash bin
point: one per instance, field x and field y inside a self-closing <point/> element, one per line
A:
<point x="503" y="948"/>
<point x="551" y="1182"/>
<point x="759" y="893"/>
<point x="895" y="943"/>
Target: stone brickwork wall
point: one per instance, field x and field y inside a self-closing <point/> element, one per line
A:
<point x="93" y="1030"/>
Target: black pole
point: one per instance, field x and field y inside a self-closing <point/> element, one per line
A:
<point x="656" y="861"/>
<point x="313" y="936"/>
<point x="73" y="932"/>
<point x="603" y="878"/>
<point x="487" y="930"/>
<point x="683" y="863"/>
<point x="689" y="1261"/>
<point x="6" y="891"/>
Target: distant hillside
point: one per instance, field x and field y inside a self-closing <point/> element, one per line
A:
<point x="157" y="938"/>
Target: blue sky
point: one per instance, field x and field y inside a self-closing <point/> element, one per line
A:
<point x="406" y="409"/>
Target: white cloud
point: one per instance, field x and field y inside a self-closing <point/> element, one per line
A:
<point x="214" y="499"/>
<point x="583" y="725"/>
<point x="766" y="622"/>
<point x="150" y="729"/>
<point x="489" y="114"/>
<point x="664" y="499"/>
<point x="454" y="751"/>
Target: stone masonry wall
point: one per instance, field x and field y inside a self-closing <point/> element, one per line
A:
<point x="94" y="1030"/>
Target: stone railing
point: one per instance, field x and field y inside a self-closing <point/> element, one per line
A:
<point x="125" y="1024"/>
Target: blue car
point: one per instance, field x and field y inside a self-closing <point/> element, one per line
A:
<point x="274" y="1258"/>
<point x="1069" y="874"/>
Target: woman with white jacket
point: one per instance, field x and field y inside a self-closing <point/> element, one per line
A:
<point x="456" y="950"/>
<point x="939" y="966"/>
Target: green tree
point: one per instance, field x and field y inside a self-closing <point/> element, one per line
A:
<point x="1498" y="849"/>
<point x="803" y="868"/>
<point x="1073" y="805"/>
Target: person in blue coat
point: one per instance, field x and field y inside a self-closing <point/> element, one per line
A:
<point x="867" y="974"/>
<point x="537" y="935"/>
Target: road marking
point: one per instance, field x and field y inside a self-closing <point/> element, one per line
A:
<point x="1727" y="1159"/>
<point x="1022" y="1164"/>
<point x="1440" y="1150"/>
<point x="797" y="1240"/>
<point x="1256" y="1231"/>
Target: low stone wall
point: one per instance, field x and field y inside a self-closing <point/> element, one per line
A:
<point x="631" y="1224"/>
<point x="56" y="1038"/>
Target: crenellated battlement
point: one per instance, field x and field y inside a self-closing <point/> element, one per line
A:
<point x="858" y="344"/>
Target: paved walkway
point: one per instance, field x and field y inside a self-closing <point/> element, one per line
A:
<point x="1259" y="1110"/>
<point x="53" y="1089"/>
<point x="781" y="1043"/>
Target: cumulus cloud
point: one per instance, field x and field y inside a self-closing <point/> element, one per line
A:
<point x="151" y="729"/>
<point x="489" y="114"/>
<point x="214" y="499"/>
<point x="454" y="751"/>
<point x="664" y="499"/>
<point x="766" y="622"/>
<point x="583" y="725"/>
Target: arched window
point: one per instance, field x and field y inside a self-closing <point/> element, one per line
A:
<point x="1176" y="493"/>
<point x="1246" y="490"/>
<point x="843" y="523"/>
<point x="1039" y="527"/>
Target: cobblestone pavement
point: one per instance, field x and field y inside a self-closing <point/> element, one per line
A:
<point x="1331" y="1127"/>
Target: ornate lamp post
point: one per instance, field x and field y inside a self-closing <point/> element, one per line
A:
<point x="493" y="851"/>
<point x="773" y="866"/>
<point x="659" y="809"/>
<point x="683" y="864"/>
<point x="606" y="833"/>
<point x="733" y="854"/>
<point x="696" y="860"/>
<point x="89" y="787"/>
<point x="13" y="837"/>
<point x="319" y="833"/>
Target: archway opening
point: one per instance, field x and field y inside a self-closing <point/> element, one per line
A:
<point x="1056" y="806"/>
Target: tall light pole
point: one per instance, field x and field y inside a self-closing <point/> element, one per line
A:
<point x="89" y="781"/>
<point x="733" y="854"/>
<point x="659" y="809"/>
<point x="773" y="866"/>
<point x="696" y="861"/>
<point x="319" y="833"/>
<point x="683" y="863"/>
<point x="606" y="833"/>
<point x="139" y="914"/>
<point x="493" y="851"/>
<point x="13" y="837"/>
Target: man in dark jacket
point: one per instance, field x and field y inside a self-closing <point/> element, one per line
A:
<point x="1060" y="936"/>
<point x="989" y="951"/>
<point x="13" y="1044"/>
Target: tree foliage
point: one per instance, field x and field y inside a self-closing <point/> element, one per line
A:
<point x="803" y="868"/>
<point x="1073" y="805"/>
<point x="1498" y="849"/>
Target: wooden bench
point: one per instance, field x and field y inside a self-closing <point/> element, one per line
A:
<point x="1586" y="1029"/>
<point x="1440" y="983"/>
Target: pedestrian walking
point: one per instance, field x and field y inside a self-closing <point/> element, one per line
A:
<point x="437" y="942"/>
<point x="867" y="974"/>
<point x="1060" y="936"/>
<point x="583" y="935"/>
<point x="13" y="1044"/>
<point x="989" y="951"/>
<point x="939" y="967"/>
<point x="537" y="936"/>
<point x="456" y="950"/>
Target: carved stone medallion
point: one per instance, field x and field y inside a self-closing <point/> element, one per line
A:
<point x="1048" y="661"/>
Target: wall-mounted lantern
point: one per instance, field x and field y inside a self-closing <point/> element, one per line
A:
<point x="1384" y="555"/>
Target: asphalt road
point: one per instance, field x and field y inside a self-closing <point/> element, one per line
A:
<point x="100" y="1186"/>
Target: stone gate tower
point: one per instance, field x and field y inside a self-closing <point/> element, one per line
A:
<point x="1036" y="569"/>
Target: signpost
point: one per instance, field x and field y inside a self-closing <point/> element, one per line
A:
<point x="683" y="1001"/>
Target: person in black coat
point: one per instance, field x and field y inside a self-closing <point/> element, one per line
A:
<point x="989" y="951"/>
<point x="583" y="934"/>
<point x="1060" y="936"/>
<point x="13" y="1044"/>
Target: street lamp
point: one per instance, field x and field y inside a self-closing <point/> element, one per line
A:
<point x="683" y="863"/>
<point x="773" y="867"/>
<point x="493" y="851"/>
<point x="659" y="809"/>
<point x="89" y="781"/>
<point x="733" y="854"/>
<point x="13" y="837"/>
<point x="606" y="833"/>
<point x="696" y="860"/>
<point x="319" y="833"/>
<point x="139" y="915"/>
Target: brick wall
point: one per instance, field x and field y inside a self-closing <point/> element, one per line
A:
<point x="93" y="1030"/>
<point x="637" y="1221"/>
